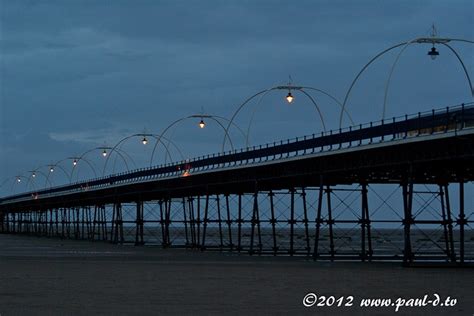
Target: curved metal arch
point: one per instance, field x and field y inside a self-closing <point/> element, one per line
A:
<point x="280" y="87"/>
<point x="15" y="181"/>
<point x="335" y="100"/>
<point x="212" y="117"/>
<point x="159" y="140"/>
<point x="120" y="153"/>
<point x="262" y="94"/>
<point x="57" y="164"/>
<point x="418" y="40"/>
<point x="135" y="135"/>
<point x="37" y="171"/>
<point x="170" y="142"/>
<point x="442" y="41"/>
<point x="341" y="115"/>
<point x="463" y="66"/>
<point x="87" y="161"/>
<point x="115" y="150"/>
<point x="216" y="118"/>
<point x="238" y="110"/>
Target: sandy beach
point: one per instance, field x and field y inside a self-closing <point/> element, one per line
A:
<point x="42" y="276"/>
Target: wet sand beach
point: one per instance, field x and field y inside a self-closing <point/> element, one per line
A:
<point x="41" y="276"/>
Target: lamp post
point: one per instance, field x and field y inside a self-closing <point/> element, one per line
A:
<point x="34" y="175"/>
<point x="289" y="98"/>
<point x="105" y="152"/>
<point x="433" y="53"/>
<point x="144" y="140"/>
<point x="202" y="124"/>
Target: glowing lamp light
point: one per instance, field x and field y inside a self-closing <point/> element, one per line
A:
<point x="104" y="153"/>
<point x="289" y="97"/>
<point x="144" y="140"/>
<point x="51" y="169"/>
<point x="186" y="173"/>
<point x="33" y="175"/>
<point x="202" y="124"/>
<point x="18" y="179"/>
<point x="74" y="162"/>
<point x="433" y="53"/>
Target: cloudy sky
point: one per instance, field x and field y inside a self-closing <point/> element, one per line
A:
<point x="76" y="75"/>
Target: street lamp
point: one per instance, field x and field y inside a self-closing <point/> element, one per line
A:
<point x="18" y="179"/>
<point x="433" y="53"/>
<point x="33" y="174"/>
<point x="289" y="97"/>
<point x="74" y="162"/>
<point x="104" y="153"/>
<point x="51" y="169"/>
<point x="202" y="124"/>
<point x="144" y="140"/>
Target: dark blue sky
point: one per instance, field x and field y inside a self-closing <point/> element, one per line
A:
<point x="77" y="74"/>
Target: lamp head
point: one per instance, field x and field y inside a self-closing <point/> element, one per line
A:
<point x="74" y="162"/>
<point x="144" y="140"/>
<point x="433" y="53"/>
<point x="202" y="124"/>
<point x="289" y="97"/>
<point x="104" y="153"/>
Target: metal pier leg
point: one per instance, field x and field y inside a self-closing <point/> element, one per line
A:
<point x="94" y="223"/>
<point x="103" y="224"/>
<point x="113" y="228"/>
<point x="77" y="231"/>
<point x="461" y="221"/>
<point x="162" y="223"/>
<point x="292" y="221"/>
<point x="259" y="231"/>
<point x="229" y="222"/>
<point x="273" y="222"/>
<point x="363" y="222"/>
<point x="254" y="219"/>
<point x="57" y="221"/>
<point x="444" y="221"/>
<point x="367" y="221"/>
<point x="185" y="222"/>
<point x="139" y="224"/>
<point x="198" y="221"/>
<point x="168" y="222"/>
<point x="306" y="222"/>
<point x="118" y="226"/>
<point x="408" y="220"/>
<point x="68" y="223"/>
<point x="318" y="220"/>
<point x="219" y="221"/>
<point x="330" y="223"/>
<point x="89" y="222"/>
<point x="450" y="224"/>
<point x="239" y="226"/>
<point x="192" y="221"/>
<point x="206" y="220"/>
<point x="63" y="222"/>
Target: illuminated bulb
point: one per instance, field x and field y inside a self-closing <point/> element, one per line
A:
<point x="51" y="169"/>
<point x="104" y="153"/>
<point x="202" y="124"/>
<point x="33" y="175"/>
<point x="18" y="179"/>
<point x="289" y="97"/>
<point x="74" y="162"/>
<point x="144" y="140"/>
